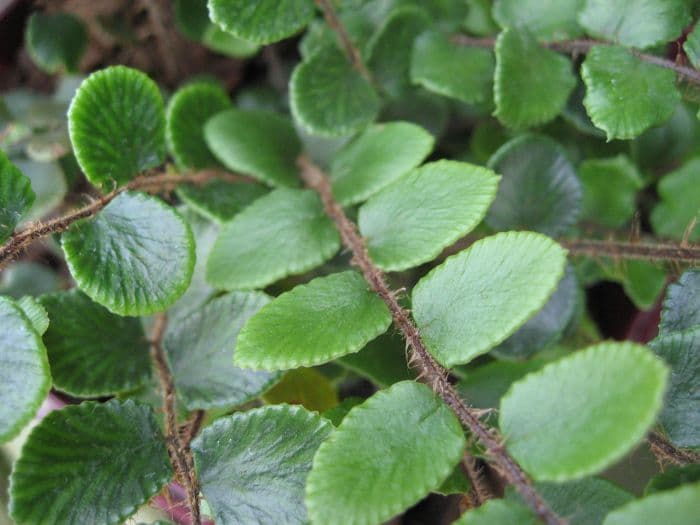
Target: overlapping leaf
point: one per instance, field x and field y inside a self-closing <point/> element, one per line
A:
<point x="312" y="324"/>
<point x="681" y="308"/>
<point x="382" y="361"/>
<point x="355" y="481"/>
<point x="200" y="348"/>
<point x="677" y="507"/>
<point x="117" y="125"/>
<point x="691" y="46"/>
<point x="35" y="312"/>
<point x="16" y="196"/>
<point x="413" y="219"/>
<point x="56" y="41"/>
<point x="48" y="184"/>
<point x="24" y="369"/>
<point x="306" y="387"/>
<point x="257" y="143"/>
<point x="219" y="200"/>
<point x="680" y="202"/>
<point x="477" y="298"/>
<point x="546" y="20"/>
<point x="117" y="461"/>
<point x="498" y="512"/>
<point x="269" y="450"/>
<point x="283" y="233"/>
<point x="93" y="352"/>
<point x="135" y="257"/>
<point x="557" y="436"/>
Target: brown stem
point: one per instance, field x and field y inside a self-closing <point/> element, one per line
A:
<point x="179" y="451"/>
<point x="190" y="429"/>
<point x="431" y="372"/>
<point x="480" y="493"/>
<point x="351" y="51"/>
<point x="666" y="452"/>
<point x="583" y="46"/>
<point x="152" y="184"/>
<point x="683" y="253"/>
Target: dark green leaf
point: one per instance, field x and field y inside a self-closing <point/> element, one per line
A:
<point x="304" y="386"/>
<point x="16" y="196"/>
<point x="27" y="278"/>
<point x="498" y="512"/>
<point x="191" y="18"/>
<point x="680" y="202"/>
<point x="135" y="257"/>
<point x="48" y="185"/>
<point x="673" y="477"/>
<point x="89" y="463"/>
<point x="355" y="481"/>
<point x="218" y="200"/>
<point x="24" y="369"/>
<point x="382" y="361"/>
<point x="56" y="41"/>
<point x="117" y="125"/>
<point x="93" y="352"/>
<point x="671" y="507"/>
<point x="312" y="324"/>
<point x="253" y="465"/>
<point x="484" y="386"/>
<point x="681" y="309"/>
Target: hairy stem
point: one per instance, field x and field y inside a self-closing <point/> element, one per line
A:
<point x="430" y="370"/>
<point x="666" y="452"/>
<point x="152" y="184"/>
<point x="683" y="253"/>
<point x="583" y="46"/>
<point x="179" y="451"/>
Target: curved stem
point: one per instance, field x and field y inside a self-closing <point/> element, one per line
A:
<point x="431" y="372"/>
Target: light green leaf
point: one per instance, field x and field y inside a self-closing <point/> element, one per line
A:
<point x="548" y="325"/>
<point x="625" y="96"/>
<point x="531" y="83"/>
<point x="188" y="110"/>
<point x="671" y="507"/>
<point x="35" y="312"/>
<point x="610" y="188"/>
<point x="539" y="189"/>
<point x="691" y="46"/>
<point x="285" y="232"/>
<point x="225" y="43"/>
<point x="269" y="452"/>
<point x="219" y="200"/>
<point x="306" y="387"/>
<point x="16" y="196"/>
<point x="199" y="348"/>
<point x="312" y="324"/>
<point x="376" y="158"/>
<point x="105" y="461"/>
<point x="117" y="125"/>
<point x="355" y="481"/>
<point x="262" y="21"/>
<point x="21" y="350"/>
<point x="680" y="202"/>
<point x="404" y="228"/>
<point x="477" y="298"/>
<point x="85" y="361"/>
<point x="680" y="417"/>
<point x="498" y="512"/>
<point x="460" y="72"/>
<point x="548" y="20"/>
<point x="328" y="97"/>
<point x="135" y="257"/>
<point x="479" y="20"/>
<point x="681" y="308"/>
<point x="56" y="41"/>
<point x="557" y="436"/>
<point x="634" y="23"/>
<point x="390" y="48"/>
<point x="257" y="143"/>
<point x="48" y="184"/>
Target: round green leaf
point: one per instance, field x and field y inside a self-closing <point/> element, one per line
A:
<point x="117" y="125"/>
<point x="460" y="72"/>
<point x="262" y="21"/>
<point x="199" y="348"/>
<point x="580" y="414"/>
<point x="547" y="20"/>
<point x="252" y="466"/>
<point x="285" y="232"/>
<point x="329" y="97"/>
<point x="680" y="506"/>
<point x="135" y="257"/>
<point x="24" y="369"/>
<point x="188" y="110"/>
<point x="531" y="83"/>
<point x="680" y="202"/>
<point x="634" y="23"/>
<point x="477" y="298"/>
<point x="16" y="196"/>
<point x="404" y="227"/>
<point x="376" y="158"/>
<point x="89" y="463"/>
<point x="386" y="455"/>
<point x="681" y="308"/>
<point x="539" y="189"/>
<point x="56" y="41"/>
<point x="498" y="512"/>
<point x="312" y="324"/>
<point x="219" y="200"/>
<point x="258" y="143"/>
<point x="88" y="362"/>
<point x="625" y="96"/>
